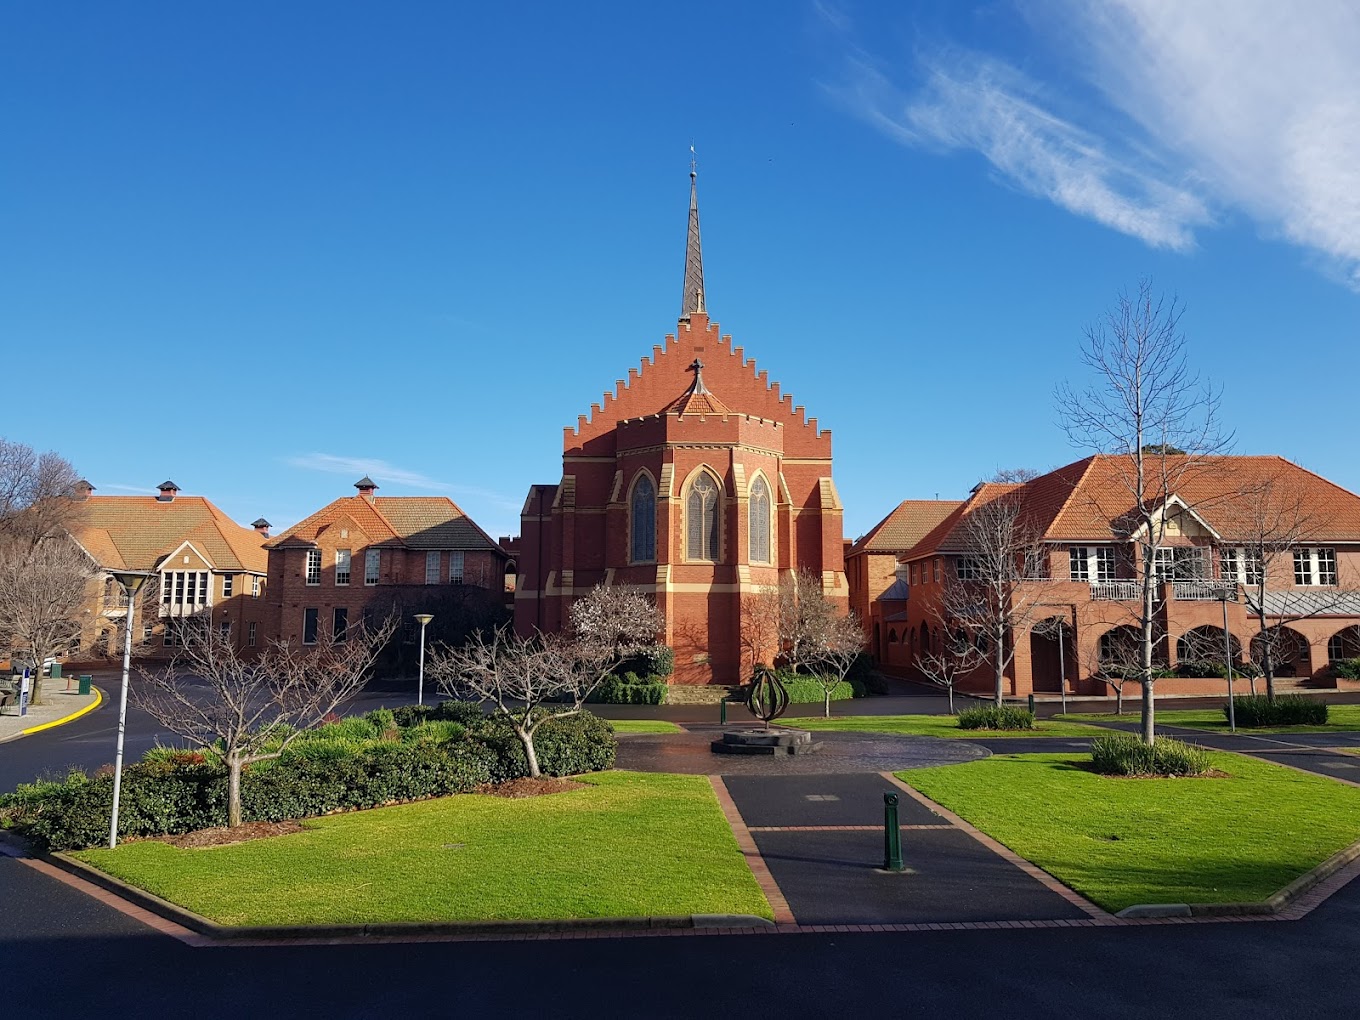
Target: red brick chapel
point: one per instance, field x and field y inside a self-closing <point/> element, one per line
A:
<point x="694" y="480"/>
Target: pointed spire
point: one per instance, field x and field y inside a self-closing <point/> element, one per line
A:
<point x="693" y="298"/>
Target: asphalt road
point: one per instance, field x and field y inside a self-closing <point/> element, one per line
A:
<point x="86" y="959"/>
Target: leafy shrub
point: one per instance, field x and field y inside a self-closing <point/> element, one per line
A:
<point x="621" y="690"/>
<point x="655" y="661"/>
<point x="996" y="717"/>
<point x="1287" y="710"/>
<point x="384" y="723"/>
<point x="469" y="713"/>
<point x="353" y="728"/>
<point x="1349" y="669"/>
<point x="1123" y="754"/>
<point x="565" y="747"/>
<point x="807" y="690"/>
<point x="1194" y="668"/>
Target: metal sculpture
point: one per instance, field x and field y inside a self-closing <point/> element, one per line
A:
<point x="767" y="698"/>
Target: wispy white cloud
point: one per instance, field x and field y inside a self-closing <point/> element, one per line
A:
<point x="381" y="471"/>
<point x="1182" y="112"/>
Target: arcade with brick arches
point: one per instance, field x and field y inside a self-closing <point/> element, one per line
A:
<point x="695" y="480"/>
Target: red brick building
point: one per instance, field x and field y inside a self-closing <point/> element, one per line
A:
<point x="205" y="563"/>
<point x="367" y="550"/>
<point x="1091" y="569"/>
<point x="695" y="479"/>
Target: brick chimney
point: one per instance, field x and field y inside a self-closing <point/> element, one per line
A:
<point x="262" y="527"/>
<point x="83" y="490"/>
<point x="167" y="491"/>
<point x="366" y="486"/>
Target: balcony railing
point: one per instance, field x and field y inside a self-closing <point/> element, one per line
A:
<point x="1197" y="590"/>
<point x="1203" y="590"/>
<point x="1116" y="591"/>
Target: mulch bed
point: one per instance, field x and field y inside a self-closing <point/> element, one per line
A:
<point x="225" y="836"/>
<point x="517" y="788"/>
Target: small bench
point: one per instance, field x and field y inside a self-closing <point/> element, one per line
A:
<point x="9" y="693"/>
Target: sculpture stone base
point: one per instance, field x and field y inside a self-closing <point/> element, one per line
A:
<point x="765" y="741"/>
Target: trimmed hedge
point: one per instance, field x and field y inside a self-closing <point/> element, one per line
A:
<point x="996" y="717"/>
<point x="1123" y="754"/>
<point x="324" y="771"/>
<point x="1348" y="669"/>
<point x="806" y="690"/>
<point x="656" y="662"/>
<point x="1287" y="710"/>
<point x="630" y="689"/>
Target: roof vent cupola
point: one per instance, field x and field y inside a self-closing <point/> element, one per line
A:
<point x="366" y="486"/>
<point x="83" y="490"/>
<point x="262" y="526"/>
<point x="167" y="490"/>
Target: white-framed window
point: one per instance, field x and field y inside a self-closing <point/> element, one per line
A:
<point x="760" y="521"/>
<point x="1091" y="563"/>
<point x="372" y="566"/>
<point x="455" y="566"/>
<point x="342" y="558"/>
<point x="224" y="628"/>
<point x="968" y="568"/>
<point x="250" y="633"/>
<point x="313" y="566"/>
<point x="186" y="588"/>
<point x="309" y="625"/>
<point x="228" y="585"/>
<point x="937" y="571"/>
<point x="642" y="521"/>
<point x="1315" y="567"/>
<point x="339" y="625"/>
<point x="146" y="632"/>
<point x="432" y="567"/>
<point x="1237" y="564"/>
<point x="702" y="525"/>
<point x="1180" y="563"/>
<point x="255" y="587"/>
<point x="915" y="573"/>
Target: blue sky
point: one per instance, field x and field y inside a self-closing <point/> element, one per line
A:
<point x="265" y="248"/>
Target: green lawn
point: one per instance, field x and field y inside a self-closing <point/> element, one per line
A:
<point x="643" y="726"/>
<point x="631" y="844"/>
<point x="1340" y="718"/>
<point x="1125" y="841"/>
<point x="935" y="726"/>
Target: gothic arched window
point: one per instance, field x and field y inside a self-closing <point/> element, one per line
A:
<point x="760" y="522"/>
<point x="642" y="515"/>
<point x="701" y="519"/>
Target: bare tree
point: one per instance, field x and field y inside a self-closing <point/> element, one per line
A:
<point x="254" y="707"/>
<point x="842" y="641"/>
<point x="548" y="676"/>
<point x="1277" y="522"/>
<point x="37" y="493"/>
<point x="1000" y="580"/>
<point x="1158" y="418"/>
<point x="806" y="617"/>
<point x="1016" y="475"/>
<point x="44" y="590"/>
<point x="1117" y="661"/>
<point x="944" y="668"/>
<point x="760" y="615"/>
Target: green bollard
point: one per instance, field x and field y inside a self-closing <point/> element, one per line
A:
<point x="892" y="835"/>
<point x="722" y="711"/>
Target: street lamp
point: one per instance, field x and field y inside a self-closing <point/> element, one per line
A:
<point x="423" y="619"/>
<point x="1227" y="658"/>
<point x="132" y="581"/>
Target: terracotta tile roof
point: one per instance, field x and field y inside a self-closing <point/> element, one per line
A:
<point x="909" y="522"/>
<point x="413" y="522"/>
<point x="1092" y="500"/>
<point x="698" y="399"/>
<point x="137" y="532"/>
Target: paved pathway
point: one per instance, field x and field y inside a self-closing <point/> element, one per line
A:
<point x="821" y="837"/>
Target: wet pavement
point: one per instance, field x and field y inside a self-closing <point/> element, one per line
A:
<point x="689" y="752"/>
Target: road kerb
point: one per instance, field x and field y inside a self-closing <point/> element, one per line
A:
<point x="98" y="700"/>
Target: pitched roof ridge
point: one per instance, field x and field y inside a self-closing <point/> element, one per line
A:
<point x="1067" y="501"/>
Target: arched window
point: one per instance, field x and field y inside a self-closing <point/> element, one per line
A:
<point x="892" y="637"/>
<point x="701" y="519"/>
<point x="643" y="520"/>
<point x="760" y="521"/>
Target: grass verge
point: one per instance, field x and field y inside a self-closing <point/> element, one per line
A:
<point x="628" y="845"/>
<point x="643" y="726"/>
<point x="1340" y="719"/>
<point x="936" y="726"/>
<point x="1125" y="841"/>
